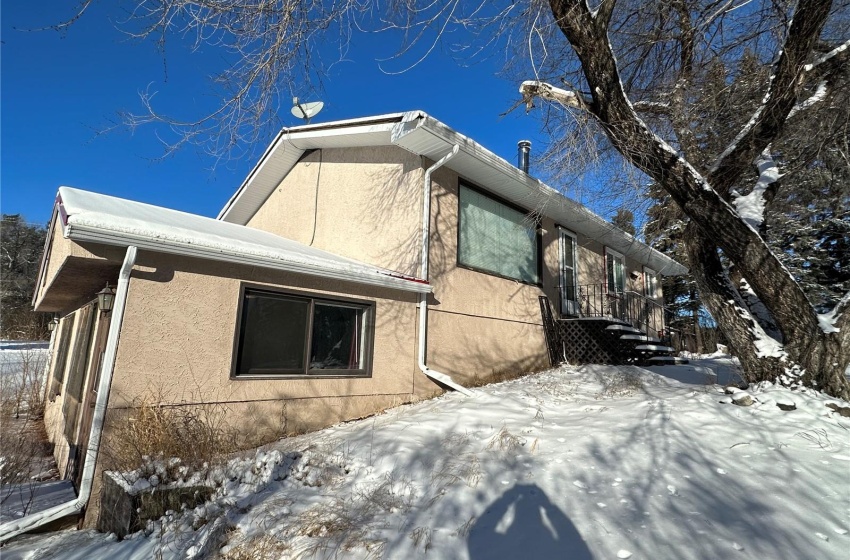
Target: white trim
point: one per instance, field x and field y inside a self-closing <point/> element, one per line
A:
<point x="374" y="278"/>
<point x="423" y="298"/>
<point x="113" y="221"/>
<point x="18" y="526"/>
<point x="650" y="272"/>
<point x="609" y="251"/>
<point x="425" y="136"/>
<point x="561" y="233"/>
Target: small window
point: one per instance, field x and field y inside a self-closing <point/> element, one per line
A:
<point x="615" y="271"/>
<point x="650" y="283"/>
<point x="495" y="238"/>
<point x="290" y="334"/>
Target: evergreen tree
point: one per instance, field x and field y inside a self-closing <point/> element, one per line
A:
<point x="21" y="245"/>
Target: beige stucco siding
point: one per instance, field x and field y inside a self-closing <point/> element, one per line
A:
<point x="362" y="203"/>
<point x="476" y="349"/>
<point x="177" y="340"/>
<point x="481" y="324"/>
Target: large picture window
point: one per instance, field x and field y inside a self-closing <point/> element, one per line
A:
<point x="293" y="334"/>
<point x="495" y="238"/>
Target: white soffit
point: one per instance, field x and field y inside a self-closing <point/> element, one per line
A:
<point x="108" y="220"/>
<point x="289" y="146"/>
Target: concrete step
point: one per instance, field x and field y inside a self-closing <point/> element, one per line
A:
<point x="653" y="348"/>
<point x="667" y="360"/>
<point x="623" y="329"/>
<point x="639" y="338"/>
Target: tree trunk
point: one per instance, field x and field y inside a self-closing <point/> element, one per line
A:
<point x="823" y="356"/>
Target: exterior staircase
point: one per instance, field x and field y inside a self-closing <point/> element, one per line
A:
<point x="602" y="340"/>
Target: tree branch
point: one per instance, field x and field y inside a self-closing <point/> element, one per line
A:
<point x="783" y="90"/>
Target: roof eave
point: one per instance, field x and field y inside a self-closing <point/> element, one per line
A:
<point x="539" y="196"/>
<point x="81" y="233"/>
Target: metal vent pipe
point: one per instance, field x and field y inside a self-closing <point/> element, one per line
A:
<point x="523" y="152"/>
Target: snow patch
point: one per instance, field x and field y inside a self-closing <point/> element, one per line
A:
<point x="751" y="206"/>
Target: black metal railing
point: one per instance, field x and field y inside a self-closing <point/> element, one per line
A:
<point x="596" y="300"/>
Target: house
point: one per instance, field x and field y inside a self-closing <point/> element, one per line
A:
<point x="362" y="264"/>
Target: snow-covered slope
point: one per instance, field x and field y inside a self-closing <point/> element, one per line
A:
<point x="580" y="463"/>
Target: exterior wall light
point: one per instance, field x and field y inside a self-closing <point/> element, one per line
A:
<point x="105" y="299"/>
<point x="51" y="326"/>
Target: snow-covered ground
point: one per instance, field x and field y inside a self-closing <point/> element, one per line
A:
<point x="15" y="355"/>
<point x="578" y="462"/>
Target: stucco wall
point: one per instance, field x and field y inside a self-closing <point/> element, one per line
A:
<point x="178" y="334"/>
<point x="480" y="324"/>
<point x="59" y="249"/>
<point x="362" y="203"/>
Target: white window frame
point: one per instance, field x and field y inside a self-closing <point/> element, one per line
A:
<point x="569" y="307"/>
<point x="650" y="273"/>
<point x="613" y="253"/>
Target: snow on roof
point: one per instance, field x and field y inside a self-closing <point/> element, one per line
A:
<point x="88" y="216"/>
<point x="424" y="135"/>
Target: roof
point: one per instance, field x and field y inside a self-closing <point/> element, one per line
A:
<point x="425" y="136"/>
<point x="98" y="218"/>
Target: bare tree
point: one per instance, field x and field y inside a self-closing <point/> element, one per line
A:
<point x="639" y="77"/>
<point x="806" y="72"/>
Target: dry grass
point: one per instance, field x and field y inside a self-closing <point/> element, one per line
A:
<point x="505" y="441"/>
<point x="421" y="535"/>
<point x="499" y="376"/>
<point x="21" y="390"/>
<point x="619" y="383"/>
<point x="183" y="439"/>
<point x="26" y="457"/>
<point x="260" y="547"/>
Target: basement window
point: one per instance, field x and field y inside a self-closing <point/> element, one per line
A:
<point x="290" y="334"/>
<point x="496" y="238"/>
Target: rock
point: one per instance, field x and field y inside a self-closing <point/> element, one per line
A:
<point x="742" y="398"/>
<point x="786" y="406"/>
<point x="842" y="410"/>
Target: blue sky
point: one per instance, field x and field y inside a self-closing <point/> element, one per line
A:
<point x="58" y="90"/>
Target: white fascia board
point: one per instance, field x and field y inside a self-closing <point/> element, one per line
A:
<point x="426" y="133"/>
<point x="371" y="277"/>
<point x="291" y="143"/>
<point x="237" y="196"/>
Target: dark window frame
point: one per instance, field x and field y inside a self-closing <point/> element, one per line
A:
<point x="538" y="236"/>
<point x="367" y="342"/>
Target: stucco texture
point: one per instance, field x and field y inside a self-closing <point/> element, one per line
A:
<point x="362" y="203"/>
<point x="177" y="339"/>
<point x="480" y="324"/>
<point x="73" y="272"/>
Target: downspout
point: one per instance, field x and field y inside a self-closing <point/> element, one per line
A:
<point x="423" y="298"/>
<point x="13" y="528"/>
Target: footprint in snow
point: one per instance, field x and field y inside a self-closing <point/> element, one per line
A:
<point x="840" y="531"/>
<point x="822" y="536"/>
<point x="580" y="484"/>
<point x="721" y="471"/>
<point x="737" y="546"/>
<point x="623" y="553"/>
<point x="672" y="490"/>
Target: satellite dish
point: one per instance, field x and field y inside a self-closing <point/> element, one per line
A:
<point x="307" y="110"/>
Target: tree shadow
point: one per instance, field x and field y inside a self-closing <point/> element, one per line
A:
<point x="523" y="522"/>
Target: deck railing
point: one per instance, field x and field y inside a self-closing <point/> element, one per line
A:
<point x="596" y="300"/>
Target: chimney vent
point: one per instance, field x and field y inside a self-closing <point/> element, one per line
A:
<point x="523" y="152"/>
